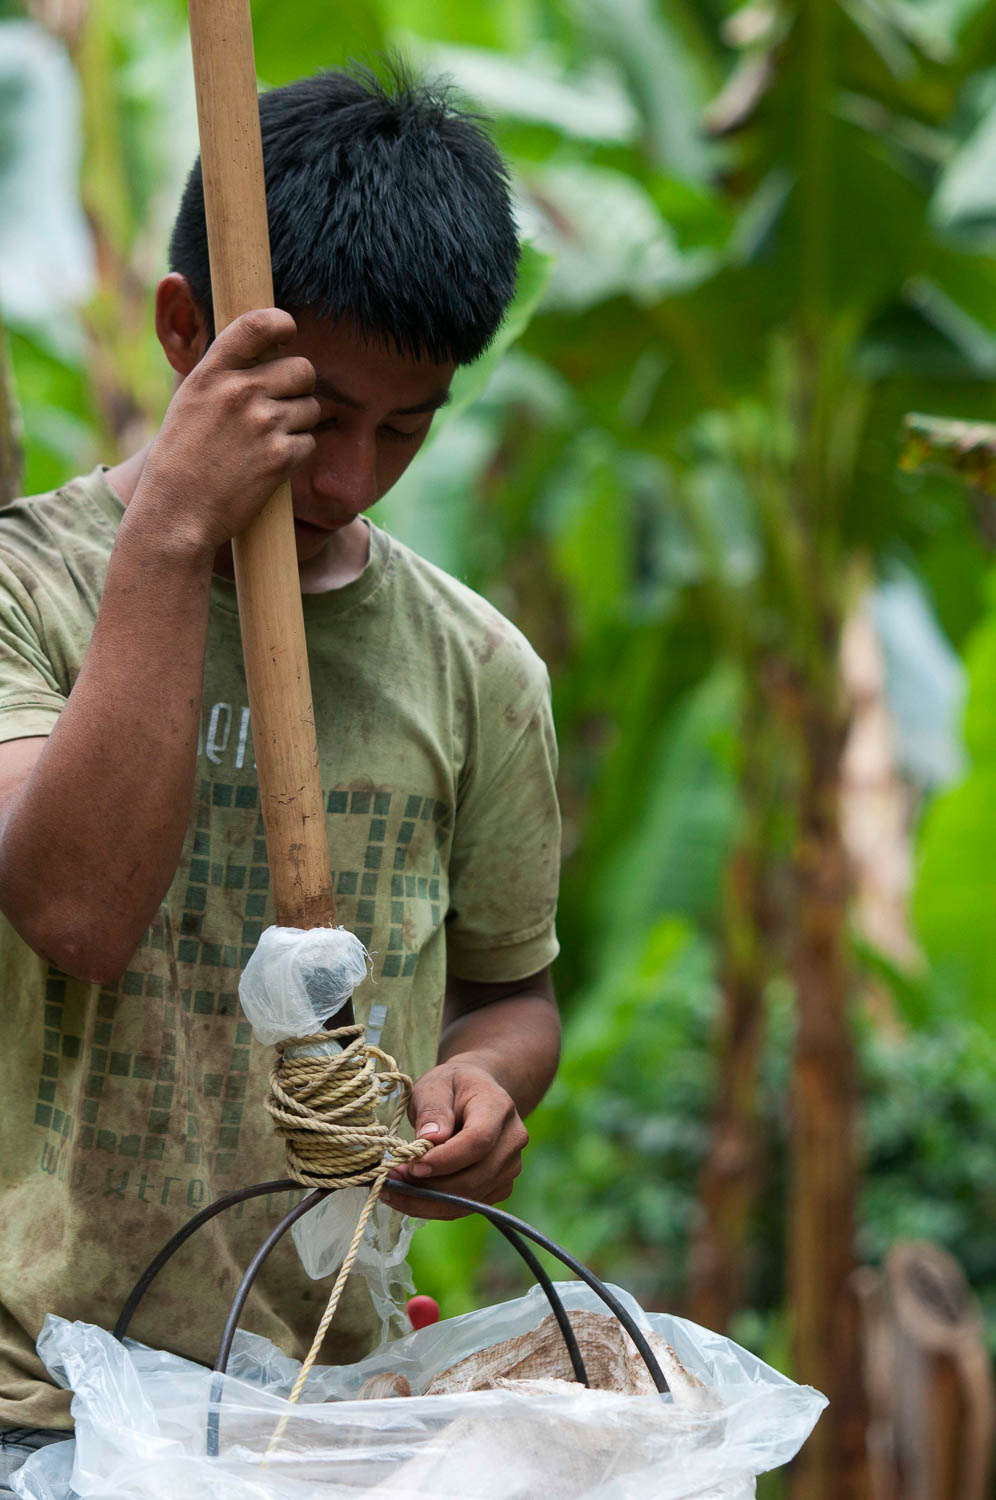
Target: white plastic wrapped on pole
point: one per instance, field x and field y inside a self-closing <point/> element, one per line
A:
<point x="296" y="980"/>
<point x="141" y="1416"/>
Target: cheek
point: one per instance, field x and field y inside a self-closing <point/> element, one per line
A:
<point x="392" y="461"/>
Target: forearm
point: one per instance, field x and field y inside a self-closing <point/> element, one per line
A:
<point x="516" y="1038"/>
<point x="90" y="842"/>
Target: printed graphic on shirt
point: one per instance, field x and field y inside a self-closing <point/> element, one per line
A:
<point x="182" y="972"/>
<point x="216" y="741"/>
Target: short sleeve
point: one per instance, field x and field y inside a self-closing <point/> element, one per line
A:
<point x="30" y="696"/>
<point x="505" y="861"/>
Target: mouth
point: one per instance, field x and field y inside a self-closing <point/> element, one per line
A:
<point x="308" y="531"/>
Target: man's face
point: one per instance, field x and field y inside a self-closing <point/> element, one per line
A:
<point x="377" y="408"/>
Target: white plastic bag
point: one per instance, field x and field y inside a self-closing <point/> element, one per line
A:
<point x="296" y="980"/>
<point x="323" y="1237"/>
<point x="141" y="1420"/>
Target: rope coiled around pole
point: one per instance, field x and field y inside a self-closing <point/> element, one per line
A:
<point x="325" y="1106"/>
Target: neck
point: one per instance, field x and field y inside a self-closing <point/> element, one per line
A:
<point x="123" y="478"/>
<point x="340" y="561"/>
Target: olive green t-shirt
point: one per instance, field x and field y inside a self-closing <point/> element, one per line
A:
<point x="127" y="1107"/>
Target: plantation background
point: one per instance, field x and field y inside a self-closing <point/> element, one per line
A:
<point x="758" y="237"/>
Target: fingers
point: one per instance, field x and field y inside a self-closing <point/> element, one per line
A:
<point x="423" y="1208"/>
<point x="248" y="339"/>
<point x="300" y="414"/>
<point x="243" y="366"/>
<point x="481" y="1161"/>
<point x="282" y="392"/>
<point x="292" y="450"/>
<point x="432" y="1112"/>
<point x="488" y="1120"/>
<point x="486" y="1183"/>
<point x="432" y="1108"/>
<point x="480" y="1135"/>
<point x="286" y="377"/>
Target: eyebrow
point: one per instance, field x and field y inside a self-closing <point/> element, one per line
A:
<point x="330" y="392"/>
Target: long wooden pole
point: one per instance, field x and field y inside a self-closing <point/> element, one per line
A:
<point x="266" y="568"/>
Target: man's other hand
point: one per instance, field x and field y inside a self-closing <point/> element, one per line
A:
<point x="481" y="1139"/>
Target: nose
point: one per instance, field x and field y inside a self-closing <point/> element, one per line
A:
<point x="344" y="473"/>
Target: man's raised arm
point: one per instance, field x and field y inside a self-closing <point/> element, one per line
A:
<point x="93" y="818"/>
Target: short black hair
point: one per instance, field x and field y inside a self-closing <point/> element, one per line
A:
<point x="388" y="205"/>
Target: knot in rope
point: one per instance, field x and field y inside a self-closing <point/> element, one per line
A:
<point x="325" y="1107"/>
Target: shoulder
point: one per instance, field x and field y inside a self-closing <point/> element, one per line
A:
<point x="50" y="511"/>
<point x="59" y="539"/>
<point x="476" y="637"/>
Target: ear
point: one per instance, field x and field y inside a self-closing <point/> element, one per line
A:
<point x="181" y="324"/>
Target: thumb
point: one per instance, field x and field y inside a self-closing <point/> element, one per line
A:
<point x="431" y="1109"/>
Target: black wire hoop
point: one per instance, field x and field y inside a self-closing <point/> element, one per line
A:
<point x="515" y="1231"/>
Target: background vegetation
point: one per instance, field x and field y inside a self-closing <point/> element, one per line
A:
<point x="759" y="237"/>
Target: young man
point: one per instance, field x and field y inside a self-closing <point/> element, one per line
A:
<point x="132" y="867"/>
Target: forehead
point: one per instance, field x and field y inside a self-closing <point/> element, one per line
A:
<point x="367" y="370"/>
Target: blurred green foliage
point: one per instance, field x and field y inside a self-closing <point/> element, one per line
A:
<point x="617" y="1148"/>
<point x="954" y="890"/>
<point x="616" y="482"/>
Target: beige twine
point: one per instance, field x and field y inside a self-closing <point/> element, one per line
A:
<point x="325" y="1108"/>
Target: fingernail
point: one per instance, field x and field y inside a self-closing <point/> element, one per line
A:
<point x="421" y="1170"/>
<point x="429" y="1129"/>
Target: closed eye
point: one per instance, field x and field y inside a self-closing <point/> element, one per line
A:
<point x="329" y="424"/>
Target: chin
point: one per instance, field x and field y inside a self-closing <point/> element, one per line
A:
<point x="308" y="554"/>
<point x="328" y="526"/>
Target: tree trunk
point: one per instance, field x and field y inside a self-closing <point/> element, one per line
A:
<point x="824" y="1176"/>
<point x="126" y="372"/>
<point x="720" y="1271"/>
<point x="876" y="807"/>
<point x="930" y="1379"/>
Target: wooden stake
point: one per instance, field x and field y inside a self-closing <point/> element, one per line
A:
<point x="266" y="568"/>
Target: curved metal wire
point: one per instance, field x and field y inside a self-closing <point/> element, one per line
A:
<point x="230" y="1200"/>
<point x="553" y="1297"/>
<point x="253" y="1269"/>
<point x="513" y="1229"/>
<point x="172" y="1245"/>
<point x="498" y="1217"/>
<point x="509" y="1230"/>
